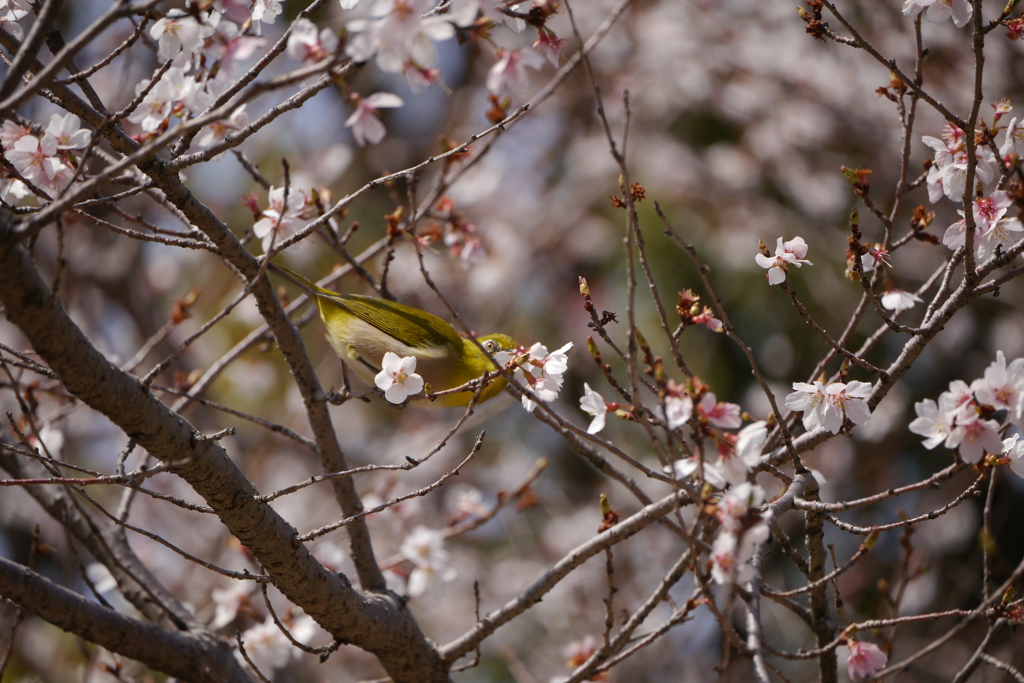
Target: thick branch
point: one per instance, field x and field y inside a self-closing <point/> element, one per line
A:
<point x="184" y="656"/>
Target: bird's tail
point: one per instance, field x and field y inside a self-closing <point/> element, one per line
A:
<point x="305" y="285"/>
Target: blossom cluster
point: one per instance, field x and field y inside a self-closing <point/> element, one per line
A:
<point x="947" y="176"/>
<point x="538" y="369"/>
<point x="828" y="405"/>
<point x="185" y="89"/>
<point x="286" y="215"/>
<point x="48" y="161"/>
<point x="739" y="453"/>
<point x="961" y="419"/>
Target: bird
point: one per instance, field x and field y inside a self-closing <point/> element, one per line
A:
<point x="363" y="329"/>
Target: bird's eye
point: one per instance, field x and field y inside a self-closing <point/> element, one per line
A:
<point x="490" y="346"/>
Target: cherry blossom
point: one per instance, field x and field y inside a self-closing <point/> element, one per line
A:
<point x="306" y="44"/>
<point x="549" y="45"/>
<point x="398" y="378"/>
<point x="973" y="435"/>
<point x="999" y="235"/>
<point x="594" y="404"/>
<point x="876" y="255"/>
<point x="738" y="458"/>
<point x="811" y="400"/>
<point x="365" y="124"/>
<point x="1013" y="448"/>
<point x="899" y="300"/>
<point x="279" y="221"/>
<point x="1014" y="137"/>
<point x="686" y="467"/>
<point x="265" y="11"/>
<point x="267" y="646"/>
<point x="12" y="190"/>
<point x="12" y="132"/>
<point x="425" y="549"/>
<point x="827" y="406"/>
<point x="68" y="133"/>
<point x="992" y="225"/>
<point x="678" y="410"/>
<point x="398" y="34"/>
<point x="721" y="415"/>
<point x="228" y="602"/>
<point x="181" y="31"/>
<point x="160" y="102"/>
<point x="542" y="371"/>
<point x="948" y="172"/>
<point x="707" y="317"/>
<point x="864" y="658"/>
<point x="846" y="400"/>
<point x="218" y="130"/>
<point x="731" y="554"/>
<point x="231" y="45"/>
<point x="934" y="421"/>
<point x="787" y="254"/>
<point x="15" y="9"/>
<point x="940" y="11"/>
<point x="737" y="503"/>
<point x="37" y="161"/>
<point x="510" y="70"/>
<point x="1002" y="386"/>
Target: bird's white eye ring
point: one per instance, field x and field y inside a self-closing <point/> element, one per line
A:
<point x="490" y="346"/>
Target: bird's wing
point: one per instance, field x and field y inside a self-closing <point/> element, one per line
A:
<point x="421" y="329"/>
<point x="408" y="325"/>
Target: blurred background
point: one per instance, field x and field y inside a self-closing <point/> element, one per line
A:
<point x="740" y="122"/>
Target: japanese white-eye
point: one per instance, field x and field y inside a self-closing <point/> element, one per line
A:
<point x="361" y="329"/>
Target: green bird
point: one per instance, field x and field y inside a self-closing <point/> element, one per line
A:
<point x="362" y="329"/>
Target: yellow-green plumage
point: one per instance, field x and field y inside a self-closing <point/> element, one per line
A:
<point x="361" y="329"/>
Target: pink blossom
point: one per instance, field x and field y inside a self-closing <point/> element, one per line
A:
<point x="12" y="132"/>
<point x="721" y="415"/>
<point x="594" y="404"/>
<point x="898" y="300"/>
<point x="398" y="34"/>
<point x="37" y="161"/>
<point x="180" y="31"/>
<point x="787" y="254"/>
<point x="811" y="400"/>
<point x="1002" y="386"/>
<point x="973" y="435"/>
<point x="678" y="410"/>
<point x="737" y="503"/>
<point x="280" y="221"/>
<point x="398" y="378"/>
<point x="67" y="131"/>
<point x="948" y="173"/>
<point x="686" y="467"/>
<point x="218" y="130"/>
<point x="510" y="70"/>
<point x="940" y="11"/>
<point x="424" y="547"/>
<point x="731" y="554"/>
<point x="864" y="659"/>
<point x="542" y="372"/>
<point x="549" y="45"/>
<point x="934" y="421"/>
<point x="307" y="44"/>
<point x="742" y="452"/>
<point x="365" y="124"/>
